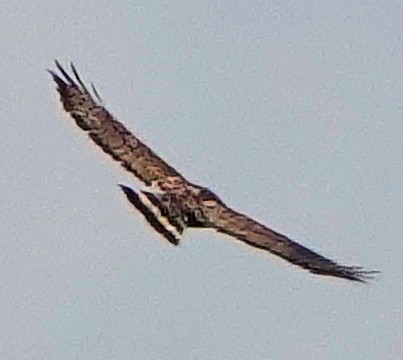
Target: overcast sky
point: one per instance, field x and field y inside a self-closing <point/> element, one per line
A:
<point x="291" y="111"/>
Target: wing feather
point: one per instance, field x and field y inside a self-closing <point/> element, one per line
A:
<point x="259" y="236"/>
<point x="110" y="134"/>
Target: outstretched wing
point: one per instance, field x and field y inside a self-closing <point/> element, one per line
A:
<point x="110" y="134"/>
<point x="259" y="236"/>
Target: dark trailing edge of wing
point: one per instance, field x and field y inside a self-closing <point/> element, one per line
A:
<point x="135" y="200"/>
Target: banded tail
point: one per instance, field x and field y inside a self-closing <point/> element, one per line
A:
<point x="156" y="213"/>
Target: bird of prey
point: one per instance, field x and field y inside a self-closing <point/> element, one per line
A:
<point x="171" y="203"/>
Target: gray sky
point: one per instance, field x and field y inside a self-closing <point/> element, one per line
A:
<point x="291" y="111"/>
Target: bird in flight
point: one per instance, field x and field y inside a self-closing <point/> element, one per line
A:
<point x="177" y="204"/>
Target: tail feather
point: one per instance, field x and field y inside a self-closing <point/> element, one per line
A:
<point x="151" y="208"/>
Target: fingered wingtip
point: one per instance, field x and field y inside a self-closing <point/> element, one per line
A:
<point x="360" y="275"/>
<point x="64" y="73"/>
<point x="96" y="92"/>
<point x="63" y="79"/>
<point x="51" y="72"/>
<point x="77" y="76"/>
<point x="57" y="63"/>
<point x="352" y="273"/>
<point x="57" y="79"/>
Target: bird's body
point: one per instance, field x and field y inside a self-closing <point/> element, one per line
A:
<point x="178" y="204"/>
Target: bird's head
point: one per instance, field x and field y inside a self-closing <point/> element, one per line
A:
<point x="208" y="198"/>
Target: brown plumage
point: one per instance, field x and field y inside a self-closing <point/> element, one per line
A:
<point x="179" y="203"/>
<point x="111" y="135"/>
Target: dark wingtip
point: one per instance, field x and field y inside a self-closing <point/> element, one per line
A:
<point x="363" y="276"/>
<point x="65" y="80"/>
<point x="52" y="74"/>
<point x="57" y="64"/>
<point x="77" y="76"/>
<point x="57" y="79"/>
<point x="64" y="73"/>
<point x="353" y="273"/>
<point x="96" y="92"/>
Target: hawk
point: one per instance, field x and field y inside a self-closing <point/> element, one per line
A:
<point x="177" y="204"/>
